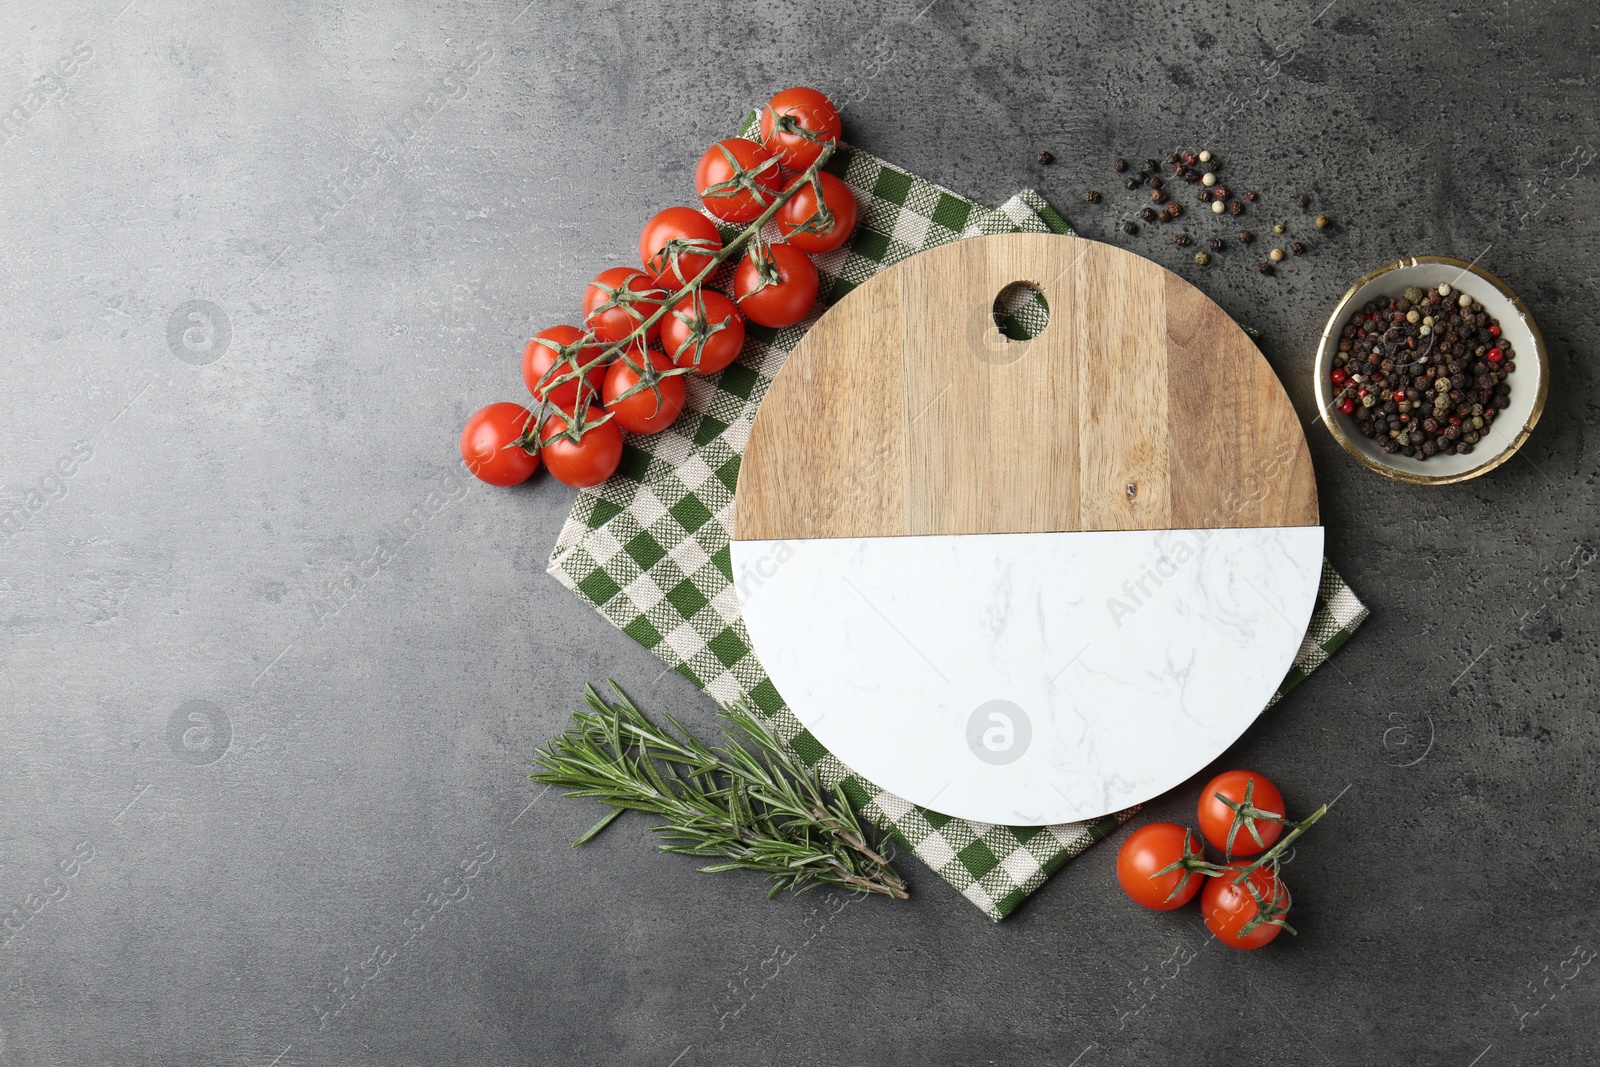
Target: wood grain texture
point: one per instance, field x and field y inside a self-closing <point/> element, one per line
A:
<point x="1141" y="406"/>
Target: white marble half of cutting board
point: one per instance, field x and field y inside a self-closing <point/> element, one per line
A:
<point x="1025" y="678"/>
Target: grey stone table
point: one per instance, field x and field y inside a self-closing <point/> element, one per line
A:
<point x="272" y="670"/>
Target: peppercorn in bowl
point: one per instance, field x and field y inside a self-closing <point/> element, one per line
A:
<point x="1431" y="371"/>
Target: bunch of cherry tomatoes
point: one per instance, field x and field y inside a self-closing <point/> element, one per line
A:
<point x="1163" y="866"/>
<point x="645" y="328"/>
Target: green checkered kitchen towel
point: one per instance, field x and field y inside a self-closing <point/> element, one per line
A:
<point x="649" y="547"/>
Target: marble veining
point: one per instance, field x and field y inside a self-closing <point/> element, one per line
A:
<point x="1127" y="660"/>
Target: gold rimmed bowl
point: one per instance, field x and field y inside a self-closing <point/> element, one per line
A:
<point x="1530" y="382"/>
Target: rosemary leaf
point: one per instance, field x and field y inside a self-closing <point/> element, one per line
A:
<point x="747" y="804"/>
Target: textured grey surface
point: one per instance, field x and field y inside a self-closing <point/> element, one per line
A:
<point x="271" y="520"/>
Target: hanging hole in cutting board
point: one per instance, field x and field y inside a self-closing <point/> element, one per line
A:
<point x="1018" y="315"/>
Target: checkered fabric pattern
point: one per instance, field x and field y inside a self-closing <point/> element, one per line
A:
<point x="649" y="547"/>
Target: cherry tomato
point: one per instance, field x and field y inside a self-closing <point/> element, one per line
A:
<point x="737" y="179"/>
<point x="618" y="300"/>
<point x="676" y="246"/>
<point x="650" y="410"/>
<point x="778" y="290"/>
<point x="587" y="461"/>
<point x="561" y="345"/>
<point x="797" y="222"/>
<point x="704" y="331"/>
<point x="1217" y="818"/>
<point x="1229" y="908"/>
<point x="792" y="111"/>
<point x="1153" y="848"/>
<point x="489" y="444"/>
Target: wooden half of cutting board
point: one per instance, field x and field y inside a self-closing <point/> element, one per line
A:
<point x="1140" y="406"/>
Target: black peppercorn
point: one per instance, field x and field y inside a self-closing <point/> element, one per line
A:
<point x="1235" y="208"/>
<point x="1148" y="214"/>
<point x="1132" y="183"/>
<point x="1152" y="164"/>
<point x="1046" y="158"/>
<point x="1251" y="195"/>
<point x="1217" y="244"/>
<point x="1303" y="200"/>
<point x="1297" y="248"/>
<point x="1172" y="157"/>
<point x="1091" y="196"/>
<point x="1183" y="240"/>
<point x="1245" y="237"/>
<point x="1264" y="267"/>
<point x="1220" y="192"/>
<point x="1154" y="181"/>
<point x="1158" y="196"/>
<point x="1119" y="164"/>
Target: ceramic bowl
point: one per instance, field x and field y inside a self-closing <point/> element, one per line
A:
<point x="1529" y="382"/>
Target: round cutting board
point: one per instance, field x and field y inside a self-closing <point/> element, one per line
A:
<point x="1032" y="581"/>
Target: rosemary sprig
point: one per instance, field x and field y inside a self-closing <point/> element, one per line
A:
<point x="748" y="804"/>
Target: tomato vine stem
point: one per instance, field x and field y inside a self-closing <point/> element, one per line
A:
<point x="577" y="421"/>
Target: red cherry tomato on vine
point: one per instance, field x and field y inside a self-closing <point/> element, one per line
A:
<point x="737" y="179"/>
<point x="778" y="291"/>
<point x="1229" y="908"/>
<point x="489" y="448"/>
<point x="618" y="300"/>
<point x="560" y="345"/>
<point x="1153" y="848"/>
<point x="1217" y="818"/>
<point x="704" y="331"/>
<point x="676" y="246"/>
<point x="587" y="461"/>
<point x="650" y="410"/>
<point x="795" y="217"/>
<point x="806" y="109"/>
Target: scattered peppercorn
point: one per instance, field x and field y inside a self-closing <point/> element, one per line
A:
<point x="1208" y="178"/>
<point x="1264" y="267"/>
<point x="1158" y="196"/>
<point x="1132" y="183"/>
<point x="1183" y="240"/>
<point x="1276" y="255"/>
<point x="1154" y="181"/>
<point x="1205" y="157"/>
<point x="1278" y="227"/>
<point x="1148" y="214"/>
<point x="1298" y="248"/>
<point x="1092" y="196"/>
<point x="1119" y="164"/>
<point x="1173" y="211"/>
<point x="1236" y="208"/>
<point x="1251" y="195"/>
<point x="1202" y="258"/>
<point x="1323" y="222"/>
<point x="1245" y="237"/>
<point x="1218" y="207"/>
<point x="1303" y="200"/>
<point x="1129" y="226"/>
<point x="1217" y="244"/>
